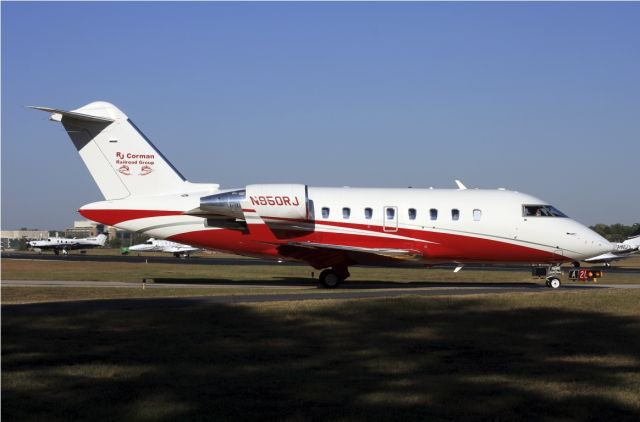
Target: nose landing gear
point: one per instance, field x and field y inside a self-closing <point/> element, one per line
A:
<point x="553" y="282"/>
<point x="551" y="273"/>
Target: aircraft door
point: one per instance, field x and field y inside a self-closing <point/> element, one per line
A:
<point x="390" y="219"/>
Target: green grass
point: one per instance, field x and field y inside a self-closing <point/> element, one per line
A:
<point x="553" y="355"/>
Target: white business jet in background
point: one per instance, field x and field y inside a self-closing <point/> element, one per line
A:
<point x="154" y="245"/>
<point x="329" y="228"/>
<point x="619" y="251"/>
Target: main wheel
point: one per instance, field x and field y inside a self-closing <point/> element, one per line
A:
<point x="330" y="279"/>
<point x="554" y="282"/>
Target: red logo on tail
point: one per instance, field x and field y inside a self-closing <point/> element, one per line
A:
<point x="145" y="170"/>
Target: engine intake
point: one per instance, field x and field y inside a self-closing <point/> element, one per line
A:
<point x="227" y="204"/>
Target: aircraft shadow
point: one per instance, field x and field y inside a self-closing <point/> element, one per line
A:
<point x="350" y="285"/>
<point x="402" y="359"/>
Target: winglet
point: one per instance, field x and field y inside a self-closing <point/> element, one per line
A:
<point x="460" y="185"/>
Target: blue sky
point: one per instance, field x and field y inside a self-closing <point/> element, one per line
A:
<point x="543" y="98"/>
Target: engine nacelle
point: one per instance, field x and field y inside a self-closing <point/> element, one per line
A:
<point x="278" y="201"/>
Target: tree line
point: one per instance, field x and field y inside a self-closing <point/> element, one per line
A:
<point x="616" y="232"/>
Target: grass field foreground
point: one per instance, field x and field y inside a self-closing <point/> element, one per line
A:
<point x="563" y="356"/>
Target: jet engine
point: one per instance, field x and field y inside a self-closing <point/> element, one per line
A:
<point x="277" y="201"/>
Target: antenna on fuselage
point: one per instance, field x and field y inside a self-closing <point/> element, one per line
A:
<point x="460" y="185"/>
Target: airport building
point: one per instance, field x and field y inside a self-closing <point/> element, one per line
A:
<point x="11" y="238"/>
<point x="88" y="228"/>
<point x="85" y="228"/>
<point x="15" y="239"/>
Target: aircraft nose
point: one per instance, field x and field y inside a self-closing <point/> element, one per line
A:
<point x="594" y="244"/>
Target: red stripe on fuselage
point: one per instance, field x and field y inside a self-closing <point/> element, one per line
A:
<point x="259" y="239"/>
<point x="113" y="217"/>
<point x="447" y="247"/>
<point x="439" y="246"/>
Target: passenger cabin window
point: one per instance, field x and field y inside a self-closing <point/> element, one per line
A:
<point x="433" y="213"/>
<point x="391" y="213"/>
<point x="455" y="214"/>
<point x="541" y="211"/>
<point x="346" y="212"/>
<point x="412" y="213"/>
<point x="477" y="215"/>
<point x="325" y="212"/>
<point x="368" y="213"/>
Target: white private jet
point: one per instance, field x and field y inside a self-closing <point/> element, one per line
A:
<point x="619" y="251"/>
<point x="328" y="228"/>
<point x="154" y="245"/>
<point x="58" y="244"/>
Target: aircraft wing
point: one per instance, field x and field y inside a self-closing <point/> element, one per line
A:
<point x="180" y="248"/>
<point x="321" y="255"/>
<point x="607" y="257"/>
<point x="386" y="252"/>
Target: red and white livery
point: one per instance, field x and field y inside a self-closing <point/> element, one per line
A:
<point x="328" y="228"/>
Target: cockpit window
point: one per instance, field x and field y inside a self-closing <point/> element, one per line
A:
<point x="541" y="211"/>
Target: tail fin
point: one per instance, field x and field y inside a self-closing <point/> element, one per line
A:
<point x="122" y="161"/>
<point x="102" y="238"/>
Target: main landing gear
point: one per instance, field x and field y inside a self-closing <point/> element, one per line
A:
<point x="332" y="277"/>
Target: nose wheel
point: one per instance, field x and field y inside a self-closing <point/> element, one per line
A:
<point x="553" y="282"/>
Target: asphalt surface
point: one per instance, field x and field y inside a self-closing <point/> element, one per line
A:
<point x="169" y="259"/>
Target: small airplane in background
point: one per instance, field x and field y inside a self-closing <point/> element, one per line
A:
<point x="58" y="244"/>
<point x="153" y="245"/>
<point x="623" y="250"/>
<point x="330" y="229"/>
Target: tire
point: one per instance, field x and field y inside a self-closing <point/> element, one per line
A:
<point x="329" y="279"/>
<point x="554" y="282"/>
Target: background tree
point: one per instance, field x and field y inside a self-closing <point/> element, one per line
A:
<point x="616" y="232"/>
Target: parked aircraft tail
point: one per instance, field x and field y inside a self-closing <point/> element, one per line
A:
<point x="122" y="161"/>
<point x="101" y="238"/>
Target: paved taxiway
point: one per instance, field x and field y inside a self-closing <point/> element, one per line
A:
<point x="249" y="261"/>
